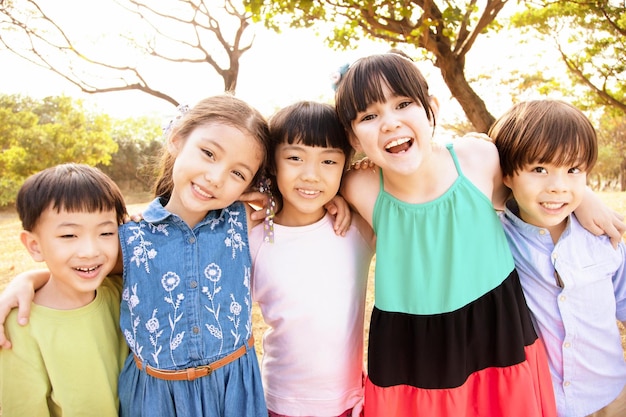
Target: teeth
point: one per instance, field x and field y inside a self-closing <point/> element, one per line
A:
<point x="308" y="192"/>
<point x="201" y="192"/>
<point x="397" y="142"/>
<point x="93" y="268"/>
<point x="552" y="206"/>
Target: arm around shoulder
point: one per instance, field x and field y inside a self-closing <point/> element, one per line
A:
<point x="360" y="189"/>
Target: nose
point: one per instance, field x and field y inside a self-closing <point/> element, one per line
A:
<point x="557" y="183"/>
<point x="310" y="171"/>
<point x="390" y="122"/>
<point x="214" y="176"/>
<point x="89" y="247"/>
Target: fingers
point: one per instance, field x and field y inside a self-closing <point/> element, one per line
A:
<point x="342" y="224"/>
<point x="256" y="199"/>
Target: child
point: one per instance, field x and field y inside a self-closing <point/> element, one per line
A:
<point x="310" y="284"/>
<point x="66" y="362"/>
<point x="186" y="305"/>
<point x="574" y="282"/>
<point x="450" y="333"/>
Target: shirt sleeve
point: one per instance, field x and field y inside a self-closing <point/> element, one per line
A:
<point x="619" y="285"/>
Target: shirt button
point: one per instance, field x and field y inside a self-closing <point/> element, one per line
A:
<point x="562" y="298"/>
<point x="567" y="344"/>
<point x="194" y="284"/>
<point x="566" y="384"/>
<point x="195" y="329"/>
<point x="192" y="240"/>
<point x="542" y="232"/>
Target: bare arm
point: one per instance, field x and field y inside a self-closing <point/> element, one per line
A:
<point x="20" y="293"/>
<point x="599" y="219"/>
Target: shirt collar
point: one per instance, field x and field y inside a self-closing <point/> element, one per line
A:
<point x="156" y="212"/>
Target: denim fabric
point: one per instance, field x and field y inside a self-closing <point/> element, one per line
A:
<point x="186" y="302"/>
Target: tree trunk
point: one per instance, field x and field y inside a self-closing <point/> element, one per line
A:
<point x="453" y="72"/>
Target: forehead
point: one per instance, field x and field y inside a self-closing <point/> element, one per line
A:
<point x="53" y="218"/>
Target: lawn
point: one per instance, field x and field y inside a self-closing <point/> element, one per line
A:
<point x="14" y="259"/>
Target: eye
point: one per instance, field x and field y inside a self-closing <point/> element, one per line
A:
<point x="239" y="174"/>
<point x="540" y="170"/>
<point x="294" y="158"/>
<point x="67" y="236"/>
<point x="329" y="162"/>
<point x="367" y="117"/>
<point x="108" y="234"/>
<point x="404" y="104"/>
<point x="574" y="170"/>
<point x="208" y="153"/>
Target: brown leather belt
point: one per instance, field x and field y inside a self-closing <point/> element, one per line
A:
<point x="190" y="374"/>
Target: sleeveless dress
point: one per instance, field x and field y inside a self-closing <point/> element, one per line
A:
<point x="450" y="332"/>
<point x="186" y="303"/>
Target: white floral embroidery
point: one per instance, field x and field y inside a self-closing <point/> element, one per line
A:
<point x="152" y="325"/>
<point x="235" y="309"/>
<point x="247" y="300"/>
<point x="234" y="239"/>
<point x="170" y="281"/>
<point x="142" y="252"/>
<point x="213" y="273"/>
<point x="132" y="300"/>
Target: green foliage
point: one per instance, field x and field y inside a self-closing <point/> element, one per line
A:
<point x="36" y="134"/>
<point x="139" y="143"/>
<point x="591" y="39"/>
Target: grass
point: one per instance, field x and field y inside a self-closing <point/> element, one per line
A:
<point x="14" y="258"/>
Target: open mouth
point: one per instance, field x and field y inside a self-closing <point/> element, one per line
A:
<point x="399" y="145"/>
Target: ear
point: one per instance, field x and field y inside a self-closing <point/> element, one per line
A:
<point x="506" y="180"/>
<point x="434" y="105"/>
<point x="355" y="142"/>
<point x="174" y="144"/>
<point x="31" y="243"/>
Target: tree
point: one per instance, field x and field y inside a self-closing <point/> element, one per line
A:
<point x="446" y="31"/>
<point x="590" y="37"/>
<point x="135" y="164"/>
<point x="37" y="134"/>
<point x="180" y="31"/>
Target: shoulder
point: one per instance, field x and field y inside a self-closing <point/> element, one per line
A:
<point x="476" y="152"/>
<point x="112" y="283"/>
<point x="360" y="188"/>
<point x="364" y="229"/>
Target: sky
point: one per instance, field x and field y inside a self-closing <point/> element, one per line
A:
<point x="278" y="70"/>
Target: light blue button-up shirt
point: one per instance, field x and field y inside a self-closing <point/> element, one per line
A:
<point x="576" y="290"/>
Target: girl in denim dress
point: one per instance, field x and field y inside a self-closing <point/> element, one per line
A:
<point x="186" y="306"/>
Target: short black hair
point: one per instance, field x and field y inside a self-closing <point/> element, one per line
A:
<point x="71" y="187"/>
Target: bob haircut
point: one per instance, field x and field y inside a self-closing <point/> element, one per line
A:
<point x="363" y="84"/>
<point x="544" y="132"/>
<point x="70" y="187"/>
<point x="310" y="124"/>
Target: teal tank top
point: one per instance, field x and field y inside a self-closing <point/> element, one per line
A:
<point x="439" y="256"/>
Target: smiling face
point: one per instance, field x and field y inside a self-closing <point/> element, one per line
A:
<point x="79" y="248"/>
<point x="213" y="167"/>
<point x="395" y="134"/>
<point x="547" y="194"/>
<point x="307" y="177"/>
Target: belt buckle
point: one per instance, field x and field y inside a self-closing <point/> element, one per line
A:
<point x="199" y="371"/>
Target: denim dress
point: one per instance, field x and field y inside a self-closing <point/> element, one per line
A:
<point x="186" y="303"/>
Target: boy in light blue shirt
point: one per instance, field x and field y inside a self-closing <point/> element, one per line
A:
<point x="574" y="282"/>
